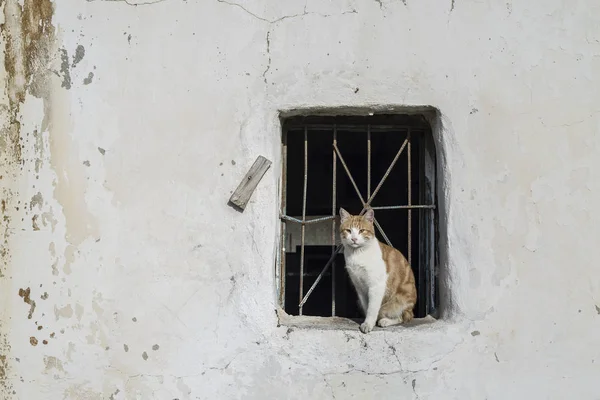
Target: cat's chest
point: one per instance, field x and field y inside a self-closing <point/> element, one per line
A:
<point x="366" y="265"/>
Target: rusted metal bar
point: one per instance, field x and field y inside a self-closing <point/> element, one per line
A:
<point x="408" y="153"/>
<point x="307" y="222"/>
<point x="382" y="232"/>
<point x="303" y="231"/>
<point x="387" y="173"/>
<point x="330" y="217"/>
<point x="282" y="271"/>
<point x="337" y="150"/>
<point x="357" y="127"/>
<point x="431" y="206"/>
<point x="368" y="161"/>
<point x="325" y="268"/>
<point x="333" y="222"/>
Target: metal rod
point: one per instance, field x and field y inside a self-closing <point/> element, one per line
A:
<point x="282" y="271"/>
<point x="404" y="207"/>
<point x="408" y="153"/>
<point x="357" y="128"/>
<point x="368" y="161"/>
<point x="337" y="150"/>
<point x="387" y="173"/>
<point x="325" y="268"/>
<point x="333" y="222"/>
<point x="330" y="217"/>
<point x="303" y="231"/>
<point x="308" y="222"/>
<point x="382" y="232"/>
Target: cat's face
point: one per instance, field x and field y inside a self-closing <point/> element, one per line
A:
<point x="356" y="231"/>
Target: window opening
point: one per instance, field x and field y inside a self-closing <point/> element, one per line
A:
<point x="386" y="162"/>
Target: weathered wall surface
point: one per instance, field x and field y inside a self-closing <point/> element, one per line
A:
<point x="125" y="128"/>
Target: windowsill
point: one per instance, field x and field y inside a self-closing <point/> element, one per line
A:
<point x="345" y="324"/>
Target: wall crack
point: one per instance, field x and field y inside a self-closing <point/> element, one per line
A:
<point x="264" y="75"/>
<point x="128" y="2"/>
<point x="271" y="22"/>
<point x="274" y="21"/>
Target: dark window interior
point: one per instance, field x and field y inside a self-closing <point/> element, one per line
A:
<point x="387" y="134"/>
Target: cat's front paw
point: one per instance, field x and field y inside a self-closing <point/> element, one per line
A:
<point x="366" y="327"/>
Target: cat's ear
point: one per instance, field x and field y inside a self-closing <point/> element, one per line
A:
<point x="370" y="215"/>
<point x="344" y="215"/>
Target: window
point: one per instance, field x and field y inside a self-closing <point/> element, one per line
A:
<point x="385" y="161"/>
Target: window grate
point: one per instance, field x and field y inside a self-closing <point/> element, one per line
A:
<point x="332" y="130"/>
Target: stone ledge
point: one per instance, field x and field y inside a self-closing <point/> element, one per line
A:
<point x="345" y="324"/>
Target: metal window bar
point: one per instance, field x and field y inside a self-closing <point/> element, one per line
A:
<point x="333" y="208"/>
<point x="408" y="152"/>
<point x="303" y="231"/>
<point x="306" y="222"/>
<point x="282" y="277"/>
<point x="356" y="127"/>
<point x="430" y="206"/>
<point x="368" y="161"/>
<point x="366" y="204"/>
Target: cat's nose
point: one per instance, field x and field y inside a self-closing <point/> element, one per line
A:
<point x="354" y="239"/>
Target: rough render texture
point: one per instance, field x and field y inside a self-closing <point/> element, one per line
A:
<point x="125" y="127"/>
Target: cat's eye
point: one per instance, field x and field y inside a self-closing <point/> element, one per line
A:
<point x="347" y="231"/>
<point x="363" y="231"/>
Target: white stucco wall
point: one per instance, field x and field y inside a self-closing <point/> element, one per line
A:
<point x="156" y="289"/>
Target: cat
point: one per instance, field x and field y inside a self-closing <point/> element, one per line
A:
<point x="383" y="279"/>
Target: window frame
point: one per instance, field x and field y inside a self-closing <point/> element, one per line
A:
<point x="426" y="210"/>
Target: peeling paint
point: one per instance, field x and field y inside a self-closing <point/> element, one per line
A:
<point x="25" y="294"/>
<point x="88" y="80"/>
<point x="51" y="363"/>
<point x="27" y="32"/>
<point x="38" y="147"/>
<point x="79" y="54"/>
<point x="70" y="252"/>
<point x="79" y="311"/>
<point x="64" y="69"/>
<point x="34" y="224"/>
<point x="36" y="200"/>
<point x="3" y="368"/>
<point x="82" y="392"/>
<point x="64" y="312"/>
<point x="6" y="388"/>
<point x="48" y="218"/>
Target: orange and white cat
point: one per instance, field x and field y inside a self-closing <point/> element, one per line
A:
<point x="383" y="279"/>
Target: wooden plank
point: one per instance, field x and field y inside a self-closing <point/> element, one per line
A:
<point x="242" y="194"/>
